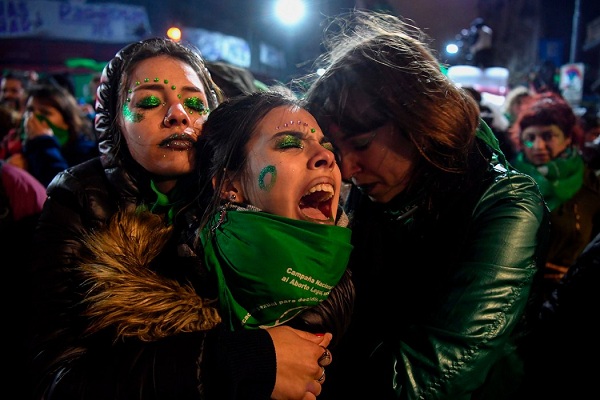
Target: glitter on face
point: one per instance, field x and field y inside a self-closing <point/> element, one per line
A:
<point x="131" y="116"/>
<point x="196" y="104"/>
<point x="299" y="123"/>
<point x="268" y="170"/>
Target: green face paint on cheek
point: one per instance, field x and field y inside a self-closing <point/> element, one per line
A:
<point x="131" y="116"/>
<point x="267" y="178"/>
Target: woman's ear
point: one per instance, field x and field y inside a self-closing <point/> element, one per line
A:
<point x="229" y="190"/>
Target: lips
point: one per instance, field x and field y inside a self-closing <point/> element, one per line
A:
<point x="178" y="142"/>
<point x="316" y="204"/>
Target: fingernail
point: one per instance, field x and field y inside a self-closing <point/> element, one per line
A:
<point x="319" y="334"/>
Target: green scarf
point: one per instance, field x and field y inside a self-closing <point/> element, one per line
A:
<point x="270" y="268"/>
<point x="164" y="204"/>
<point x="61" y="135"/>
<point x="559" y="179"/>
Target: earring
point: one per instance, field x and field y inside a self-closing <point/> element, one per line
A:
<point x="232" y="197"/>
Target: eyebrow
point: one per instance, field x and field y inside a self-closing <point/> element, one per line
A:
<point x="164" y="87"/>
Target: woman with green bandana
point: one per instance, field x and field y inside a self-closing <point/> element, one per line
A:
<point x="447" y="235"/>
<point x="144" y="324"/>
<point x="55" y="134"/>
<point x="273" y="233"/>
<point x="546" y="132"/>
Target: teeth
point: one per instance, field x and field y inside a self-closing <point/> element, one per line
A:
<point x="321" y="187"/>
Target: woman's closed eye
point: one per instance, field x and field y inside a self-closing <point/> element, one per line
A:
<point x="290" y="141"/>
<point x="196" y="104"/>
<point x="149" y="102"/>
<point x="362" y="142"/>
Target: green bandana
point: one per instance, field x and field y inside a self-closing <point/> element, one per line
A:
<point x="559" y="179"/>
<point x="163" y="204"/>
<point x="270" y="268"/>
<point x="61" y="135"/>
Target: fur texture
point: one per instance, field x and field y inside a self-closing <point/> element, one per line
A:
<point x="125" y="294"/>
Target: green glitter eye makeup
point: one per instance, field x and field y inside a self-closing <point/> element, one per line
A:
<point x="149" y="102"/>
<point x="196" y="104"/>
<point x="290" y="141"/>
<point x="328" y="146"/>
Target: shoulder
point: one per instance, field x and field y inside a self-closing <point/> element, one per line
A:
<point x="87" y="175"/>
<point x="83" y="187"/>
<point x="510" y="190"/>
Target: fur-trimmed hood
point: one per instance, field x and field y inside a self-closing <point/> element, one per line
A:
<point x="125" y="293"/>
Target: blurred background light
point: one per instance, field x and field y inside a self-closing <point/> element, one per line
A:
<point x="290" y="12"/>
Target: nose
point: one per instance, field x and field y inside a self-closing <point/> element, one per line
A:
<point x="176" y="115"/>
<point x="322" y="158"/>
<point x="538" y="142"/>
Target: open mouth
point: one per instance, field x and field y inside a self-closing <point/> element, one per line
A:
<point x="315" y="205"/>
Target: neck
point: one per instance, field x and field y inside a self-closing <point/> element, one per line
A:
<point x="165" y="186"/>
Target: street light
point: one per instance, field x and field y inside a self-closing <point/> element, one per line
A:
<point x="289" y="12"/>
<point x="174" y="33"/>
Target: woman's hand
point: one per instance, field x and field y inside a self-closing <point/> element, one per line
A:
<point x="34" y="127"/>
<point x="298" y="370"/>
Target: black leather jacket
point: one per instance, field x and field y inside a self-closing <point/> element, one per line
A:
<point x="443" y="284"/>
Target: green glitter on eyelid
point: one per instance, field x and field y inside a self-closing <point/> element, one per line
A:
<point x="149" y="101"/>
<point x="269" y="169"/>
<point x="195" y="103"/>
<point x="290" y="141"/>
<point x="327" y="146"/>
<point x="131" y="116"/>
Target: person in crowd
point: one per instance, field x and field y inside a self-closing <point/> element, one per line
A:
<point x="513" y="102"/>
<point x="543" y="133"/>
<point x="447" y="236"/>
<point x="13" y="89"/>
<point x="558" y="367"/>
<point x="54" y="135"/>
<point x="153" y="100"/>
<point x="9" y="120"/>
<point x="21" y="200"/>
<point x="590" y="148"/>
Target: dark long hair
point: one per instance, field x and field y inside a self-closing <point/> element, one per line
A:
<point x="378" y="69"/>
